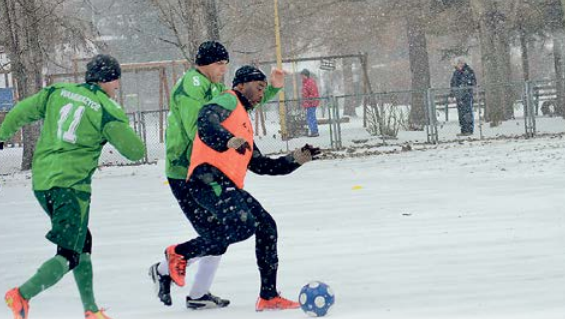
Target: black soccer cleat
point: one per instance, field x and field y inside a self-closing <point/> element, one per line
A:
<point x="162" y="284"/>
<point x="208" y="301"/>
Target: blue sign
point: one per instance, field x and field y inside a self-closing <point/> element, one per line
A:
<point x="6" y="99"/>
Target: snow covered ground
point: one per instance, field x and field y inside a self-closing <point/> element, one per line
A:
<point x="462" y="230"/>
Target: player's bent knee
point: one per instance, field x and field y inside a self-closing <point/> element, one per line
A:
<point x="72" y="256"/>
<point x="88" y="243"/>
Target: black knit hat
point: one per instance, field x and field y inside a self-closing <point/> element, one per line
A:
<point x="103" y="68"/>
<point x="210" y="52"/>
<point x="248" y="73"/>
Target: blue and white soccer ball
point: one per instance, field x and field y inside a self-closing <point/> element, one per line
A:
<point x="316" y="298"/>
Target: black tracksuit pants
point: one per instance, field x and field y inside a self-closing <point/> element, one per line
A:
<point x="223" y="215"/>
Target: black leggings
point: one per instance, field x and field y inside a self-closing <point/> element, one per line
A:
<point x="224" y="219"/>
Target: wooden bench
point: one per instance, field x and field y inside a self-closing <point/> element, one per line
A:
<point x="324" y="121"/>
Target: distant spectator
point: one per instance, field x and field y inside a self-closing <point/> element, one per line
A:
<point x="310" y="101"/>
<point x="462" y="83"/>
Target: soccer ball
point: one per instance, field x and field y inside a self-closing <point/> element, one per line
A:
<point x="316" y="298"/>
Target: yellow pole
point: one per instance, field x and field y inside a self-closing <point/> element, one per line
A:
<point x="282" y="112"/>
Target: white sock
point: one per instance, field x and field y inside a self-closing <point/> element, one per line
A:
<point x="204" y="277"/>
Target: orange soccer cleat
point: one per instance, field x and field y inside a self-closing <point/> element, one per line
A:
<point x="15" y="301"/>
<point x="96" y="315"/>
<point x="177" y="265"/>
<point x="277" y="303"/>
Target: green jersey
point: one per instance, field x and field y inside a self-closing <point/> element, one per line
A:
<point x="79" y="119"/>
<point x="190" y="93"/>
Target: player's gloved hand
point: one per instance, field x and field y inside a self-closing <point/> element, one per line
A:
<point x="239" y="144"/>
<point x="306" y="154"/>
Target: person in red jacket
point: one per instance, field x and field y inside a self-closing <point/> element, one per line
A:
<point x="310" y="101"/>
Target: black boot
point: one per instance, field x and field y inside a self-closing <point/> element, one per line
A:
<point x="162" y="285"/>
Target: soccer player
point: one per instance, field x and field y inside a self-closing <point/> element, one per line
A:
<point x="222" y="152"/>
<point x="198" y="86"/>
<point x="78" y="120"/>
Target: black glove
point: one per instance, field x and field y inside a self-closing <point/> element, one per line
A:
<point x="305" y="154"/>
<point x="239" y="144"/>
<point x="314" y="151"/>
<point x="1" y="145"/>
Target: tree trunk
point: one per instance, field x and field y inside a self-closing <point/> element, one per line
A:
<point x="189" y="22"/>
<point x="559" y="75"/>
<point x="525" y="55"/>
<point x="420" y="70"/>
<point x="348" y="81"/>
<point x="25" y="54"/>
<point x="509" y="94"/>
<point x="212" y="19"/>
<point x="495" y="52"/>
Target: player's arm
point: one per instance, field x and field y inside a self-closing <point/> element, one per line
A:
<point x="210" y="129"/>
<point x="282" y="165"/>
<point x="276" y="83"/>
<point x="118" y="133"/>
<point x="27" y="111"/>
<point x="264" y="165"/>
<point x="270" y="93"/>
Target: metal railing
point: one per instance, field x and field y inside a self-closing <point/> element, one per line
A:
<point x="380" y="119"/>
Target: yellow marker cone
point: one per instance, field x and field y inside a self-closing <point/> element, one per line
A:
<point x="357" y="187"/>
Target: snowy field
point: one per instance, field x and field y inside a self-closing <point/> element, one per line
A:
<point x="461" y="230"/>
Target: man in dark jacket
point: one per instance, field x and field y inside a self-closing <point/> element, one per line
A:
<point x="223" y="151"/>
<point x="462" y="83"/>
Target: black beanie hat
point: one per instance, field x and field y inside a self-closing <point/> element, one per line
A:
<point x="248" y="73"/>
<point x="210" y="52"/>
<point x="102" y="68"/>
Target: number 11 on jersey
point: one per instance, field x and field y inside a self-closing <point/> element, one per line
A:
<point x="67" y="131"/>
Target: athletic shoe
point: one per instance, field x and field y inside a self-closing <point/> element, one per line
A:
<point x="15" y="301"/>
<point x="277" y="303"/>
<point x="208" y="301"/>
<point x="96" y="315"/>
<point x="177" y="265"/>
<point x="162" y="285"/>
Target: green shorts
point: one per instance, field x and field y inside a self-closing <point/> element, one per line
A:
<point x="69" y="210"/>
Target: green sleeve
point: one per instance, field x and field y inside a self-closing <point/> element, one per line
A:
<point x="27" y="111"/>
<point x="270" y="93"/>
<point x="116" y="130"/>
<point x="124" y="139"/>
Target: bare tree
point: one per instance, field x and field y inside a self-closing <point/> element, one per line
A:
<point x="21" y="34"/>
<point x="212" y="19"/>
<point x="190" y="23"/>
<point x="494" y="38"/>
<point x="29" y="45"/>
<point x="419" y="64"/>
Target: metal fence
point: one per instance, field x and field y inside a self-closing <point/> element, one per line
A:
<point x="371" y="120"/>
